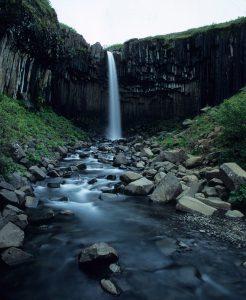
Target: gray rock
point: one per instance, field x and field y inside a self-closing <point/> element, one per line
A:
<point x="216" y="202"/>
<point x="140" y="165"/>
<point x="17" y="180"/>
<point x="168" y="189"/>
<point x="54" y="185"/>
<point x="115" y="268"/>
<point x="8" y="197"/>
<point x="174" y="156"/>
<point x="108" y="197"/>
<point x="120" y="159"/>
<point x="110" y="287"/>
<point x="31" y="202"/>
<point x="111" y="177"/>
<point x="130" y="176"/>
<point x="233" y="176"/>
<point x="142" y="186"/>
<point x="210" y="174"/>
<point x="37" y="172"/>
<point x="6" y="186"/>
<point x="187" y="122"/>
<point x="97" y="253"/>
<point x="193" y="161"/>
<point x="192" y="205"/>
<point x="14" y="256"/>
<point x="81" y="166"/>
<point x="158" y="177"/>
<point x="146" y="152"/>
<point x="150" y="173"/>
<point x="53" y="174"/>
<point x="11" y="236"/>
<point x="210" y="192"/>
<point x="215" y="181"/>
<point x="234" y="214"/>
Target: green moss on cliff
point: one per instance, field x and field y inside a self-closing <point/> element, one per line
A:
<point x="45" y="130"/>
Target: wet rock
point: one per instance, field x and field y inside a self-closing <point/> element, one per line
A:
<point x="37" y="172"/>
<point x="40" y="216"/>
<point x="111" y="177"/>
<point x="110" y="287"/>
<point x="108" y="196"/>
<point x="99" y="253"/>
<point x="14" y="256"/>
<point x="130" y="176"/>
<point x="62" y="150"/>
<point x="168" y="189"/>
<point x="193" y="161"/>
<point x="142" y="186"/>
<point x="233" y="176"/>
<point x="192" y="205"/>
<point x="81" y="166"/>
<point x="234" y="214"/>
<point x="216" y="202"/>
<point x="53" y="174"/>
<point x="8" y="197"/>
<point x="6" y="186"/>
<point x="92" y="181"/>
<point x="54" y="185"/>
<point x="120" y="159"/>
<point x="11" y="236"/>
<point x="115" y="268"/>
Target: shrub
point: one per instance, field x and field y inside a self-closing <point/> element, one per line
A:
<point x="238" y="197"/>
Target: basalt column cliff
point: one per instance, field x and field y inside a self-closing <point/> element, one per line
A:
<point x="162" y="77"/>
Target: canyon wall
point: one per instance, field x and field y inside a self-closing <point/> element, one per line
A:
<point x="160" y="78"/>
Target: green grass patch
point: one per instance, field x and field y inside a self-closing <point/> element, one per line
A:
<point x="46" y="130"/>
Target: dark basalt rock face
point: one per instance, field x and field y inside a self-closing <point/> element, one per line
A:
<point x="160" y="78"/>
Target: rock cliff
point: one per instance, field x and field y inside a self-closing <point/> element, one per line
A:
<point x="42" y="61"/>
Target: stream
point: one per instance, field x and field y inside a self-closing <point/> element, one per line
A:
<point x="160" y="257"/>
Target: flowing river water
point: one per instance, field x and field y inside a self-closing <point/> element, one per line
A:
<point x="160" y="257"/>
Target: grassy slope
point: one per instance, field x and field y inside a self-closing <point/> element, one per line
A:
<point x="224" y="126"/>
<point x="46" y="129"/>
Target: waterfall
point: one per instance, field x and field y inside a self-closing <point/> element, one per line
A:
<point x="114" y="128"/>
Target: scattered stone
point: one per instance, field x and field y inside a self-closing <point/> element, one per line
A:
<point x="53" y="174"/>
<point x="158" y="177"/>
<point x="140" y="165"/>
<point x="130" y="176"/>
<point x="214" y="173"/>
<point x="193" y="161"/>
<point x="216" y="202"/>
<point x="37" y="172"/>
<point x="54" y="185"/>
<point x="214" y="182"/>
<point x="120" y="159"/>
<point x="14" y="256"/>
<point x="11" y="236"/>
<point x="111" y="177"/>
<point x="6" y="186"/>
<point x="31" y="202"/>
<point x="115" y="268"/>
<point x="142" y="186"/>
<point x="8" y="197"/>
<point x="150" y="173"/>
<point x="210" y="192"/>
<point x="192" y="205"/>
<point x="81" y="166"/>
<point x="92" y="181"/>
<point x="233" y="176"/>
<point x="146" y="152"/>
<point x="96" y="254"/>
<point x="168" y="189"/>
<point x="110" y="287"/>
<point x="234" y="214"/>
<point x="174" y="156"/>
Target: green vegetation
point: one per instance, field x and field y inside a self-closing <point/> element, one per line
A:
<point x="116" y="47"/>
<point x="66" y="27"/>
<point x="222" y="127"/>
<point x="191" y="32"/>
<point x="238" y="197"/>
<point x="43" y="130"/>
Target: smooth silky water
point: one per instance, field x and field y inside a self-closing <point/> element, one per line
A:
<point x="145" y="236"/>
<point x="114" y="131"/>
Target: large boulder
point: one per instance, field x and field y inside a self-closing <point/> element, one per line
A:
<point x="120" y="159"/>
<point x="235" y="214"/>
<point x="168" y="189"/>
<point x="192" y="205"/>
<point x="37" y="173"/>
<point x="6" y="186"/>
<point x="174" y="156"/>
<point x="146" y="152"/>
<point x="233" y="176"/>
<point x="130" y="176"/>
<point x="11" y="236"/>
<point x="15" y="215"/>
<point x="96" y="254"/>
<point x="216" y="202"/>
<point x="14" y="256"/>
<point x="142" y="186"/>
<point x="8" y="197"/>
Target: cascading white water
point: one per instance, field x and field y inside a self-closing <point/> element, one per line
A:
<point x="114" y="128"/>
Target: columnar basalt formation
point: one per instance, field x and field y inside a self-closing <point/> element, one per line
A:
<point x="160" y="78"/>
